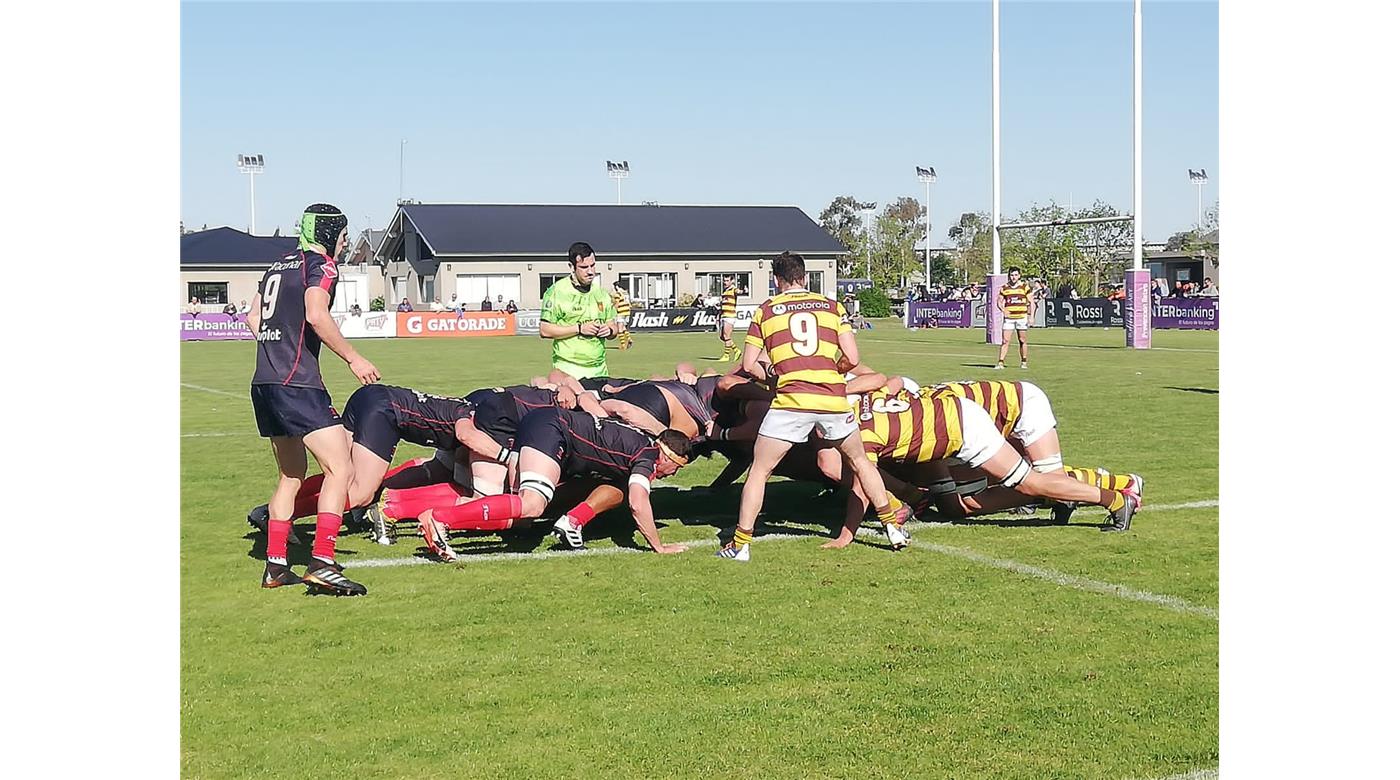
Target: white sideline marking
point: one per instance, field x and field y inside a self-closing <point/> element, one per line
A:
<point x="217" y="392"/>
<point x="1070" y="581"/>
<point x="1038" y="346"/>
<point x="1049" y="575"/>
<point x="1195" y="774"/>
<point x="202" y="435"/>
<point x="1187" y="505"/>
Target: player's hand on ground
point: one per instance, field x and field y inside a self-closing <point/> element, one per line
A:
<point x="364" y="371"/>
<point x="671" y="549"/>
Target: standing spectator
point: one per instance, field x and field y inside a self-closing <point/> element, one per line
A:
<point x="436" y="305"/>
<point x="486" y="303"/>
<point x="1017" y="310"/>
<point x="1117" y="294"/>
<point x="404" y="305"/>
<point x="455" y="304"/>
<point x="1208" y="290"/>
<point x="355" y="310"/>
<point x="511" y="307"/>
<point x="500" y="304"/>
<point x="230" y="310"/>
<point x="243" y="308"/>
<point x="576" y="315"/>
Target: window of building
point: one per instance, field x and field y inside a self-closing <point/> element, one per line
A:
<point x="712" y="284"/>
<point x="655" y="290"/>
<point x="814" y="282"/>
<point x="209" y="292"/>
<point x="547" y="281"/>
<point x="500" y="289"/>
<point x="427" y="290"/>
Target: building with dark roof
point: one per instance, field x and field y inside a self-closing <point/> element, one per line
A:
<point x="662" y="254"/>
<point x="224" y="265"/>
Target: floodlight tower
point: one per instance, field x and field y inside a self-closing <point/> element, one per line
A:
<point x="251" y="164"/>
<point x="618" y="171"/>
<point x="1198" y="178"/>
<point x="928" y="176"/>
<point x="868" y="209"/>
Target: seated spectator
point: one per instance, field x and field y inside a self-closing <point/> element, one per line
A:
<point x="486" y="303"/>
<point x="500" y="304"/>
<point x="511" y="307"/>
<point x="404" y="305"/>
<point x="243" y="308"/>
<point x="1208" y="289"/>
<point x="436" y="305"/>
<point x="230" y="310"/>
<point x="192" y="308"/>
<point x="355" y="310"/>
<point x="455" y="304"/>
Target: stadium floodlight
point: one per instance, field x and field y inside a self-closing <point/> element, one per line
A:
<point x="1198" y="178"/>
<point x="251" y="164"/>
<point x="928" y="176"/>
<point x="619" y="171"/>
<point x="868" y="209"/>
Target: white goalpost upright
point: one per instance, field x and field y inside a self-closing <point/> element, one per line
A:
<point x="1137" y="305"/>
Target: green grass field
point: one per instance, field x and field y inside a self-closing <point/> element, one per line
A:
<point x="994" y="649"/>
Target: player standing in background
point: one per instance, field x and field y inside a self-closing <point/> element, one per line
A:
<point x="803" y="333"/>
<point x="577" y="315"/>
<point x="1017" y="309"/>
<point x="291" y="318"/>
<point x="623" y="305"/>
<point x="728" y="316"/>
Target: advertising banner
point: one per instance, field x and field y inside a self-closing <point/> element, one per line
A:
<point x="687" y="319"/>
<point x="946" y="314"/>
<point x="422" y="324"/>
<point x="1187" y="313"/>
<point x="527" y="322"/>
<point x="371" y="325"/>
<point x="213" y="327"/>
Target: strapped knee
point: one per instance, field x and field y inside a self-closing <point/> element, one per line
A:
<point x="1017" y="475"/>
<point x="530" y="480"/>
<point x="1048" y="465"/>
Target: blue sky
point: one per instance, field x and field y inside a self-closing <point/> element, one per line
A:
<point x="777" y="103"/>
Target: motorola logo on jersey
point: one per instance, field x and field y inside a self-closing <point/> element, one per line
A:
<point x="779" y="308"/>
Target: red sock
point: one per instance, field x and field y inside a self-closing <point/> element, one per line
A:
<point x="327" y="528"/>
<point x="491" y="513"/>
<point x="277" y="532"/>
<point x="409" y="503"/>
<point x="581" y="514"/>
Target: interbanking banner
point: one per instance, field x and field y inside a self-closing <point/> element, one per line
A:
<point x="423" y="324"/>
<point x="213" y="327"/>
<point x="1187" y="313"/>
<point x="946" y="314"/>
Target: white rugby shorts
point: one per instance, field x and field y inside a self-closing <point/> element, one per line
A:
<point x="794" y="426"/>
<point x="1036" y="417"/>
<point x="1016" y="323"/>
<point x="981" y="440"/>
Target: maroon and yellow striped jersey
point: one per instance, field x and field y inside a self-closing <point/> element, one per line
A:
<point x="1002" y="400"/>
<point x="906" y="428"/>
<point x="1018" y="300"/>
<point x="729" y="302"/>
<point x="622" y="303"/>
<point x="799" y="330"/>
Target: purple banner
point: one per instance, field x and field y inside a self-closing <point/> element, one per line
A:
<point x="213" y="327"/>
<point x="994" y="284"/>
<point x="1187" y="313"/>
<point x="946" y="314"/>
<point x="1137" y="309"/>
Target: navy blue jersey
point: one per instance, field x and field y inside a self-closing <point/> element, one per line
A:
<point x="527" y="398"/>
<point x="696" y="405"/>
<point x="425" y="419"/>
<point x="288" y="348"/>
<point x="583" y="445"/>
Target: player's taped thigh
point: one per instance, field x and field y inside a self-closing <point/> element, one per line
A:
<point x="1017" y="475"/>
<point x="533" y="480"/>
<point x="1051" y="464"/>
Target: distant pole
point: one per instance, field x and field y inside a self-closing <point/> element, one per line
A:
<point x="928" y="176"/>
<point x="1137" y="135"/>
<point x="619" y="171"/>
<point x="996" y="136"/>
<point x="402" y="141"/>
<point x="251" y="164"/>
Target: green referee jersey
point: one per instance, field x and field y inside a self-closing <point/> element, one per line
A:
<point x="563" y="304"/>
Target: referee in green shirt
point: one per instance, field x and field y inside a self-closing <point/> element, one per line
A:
<point x="578" y="314"/>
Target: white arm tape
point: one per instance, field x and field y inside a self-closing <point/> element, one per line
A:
<point x="638" y="479"/>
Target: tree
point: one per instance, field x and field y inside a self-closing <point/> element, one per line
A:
<point x="973" y="237"/>
<point x="942" y="270"/>
<point x="842" y="220"/>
